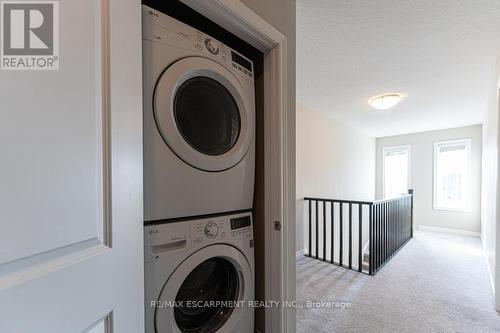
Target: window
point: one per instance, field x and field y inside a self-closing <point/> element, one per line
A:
<point x="451" y="175"/>
<point x="396" y="171"/>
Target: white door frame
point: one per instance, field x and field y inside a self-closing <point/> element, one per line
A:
<point x="279" y="140"/>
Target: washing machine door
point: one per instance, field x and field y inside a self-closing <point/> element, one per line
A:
<point x="203" y="114"/>
<point x="211" y="290"/>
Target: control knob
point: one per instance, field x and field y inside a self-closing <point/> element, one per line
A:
<point x="211" y="230"/>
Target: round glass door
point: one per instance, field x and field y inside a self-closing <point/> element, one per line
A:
<point x="207" y="115"/>
<point x="208" y="289"/>
<point x="203" y="114"/>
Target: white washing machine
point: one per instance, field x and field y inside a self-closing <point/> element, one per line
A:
<point x="199" y="275"/>
<point x="199" y="122"/>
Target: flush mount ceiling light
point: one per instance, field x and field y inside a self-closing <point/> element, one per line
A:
<point x="385" y="101"/>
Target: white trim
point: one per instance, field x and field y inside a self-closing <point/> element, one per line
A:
<point x="300" y="253"/>
<point x="449" y="231"/>
<point x="105" y="105"/>
<point x="490" y="274"/>
<point x="436" y="145"/>
<point x="24" y="270"/>
<point x="105" y="323"/>
<point x="240" y="20"/>
<point x="389" y="148"/>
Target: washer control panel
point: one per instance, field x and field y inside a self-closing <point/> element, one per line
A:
<point x="169" y="239"/>
<point x="221" y="228"/>
<point x="164" y="29"/>
<point x="211" y="230"/>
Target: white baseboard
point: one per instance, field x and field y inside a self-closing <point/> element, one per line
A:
<point x="490" y="275"/>
<point x="449" y="231"/>
<point x="300" y="253"/>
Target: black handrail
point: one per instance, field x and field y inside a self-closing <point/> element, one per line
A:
<point x="389" y="223"/>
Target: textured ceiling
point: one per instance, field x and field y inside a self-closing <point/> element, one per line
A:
<point x="441" y="53"/>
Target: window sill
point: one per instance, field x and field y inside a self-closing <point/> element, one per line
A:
<point x="456" y="210"/>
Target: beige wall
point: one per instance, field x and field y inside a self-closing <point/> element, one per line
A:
<point x="421" y="176"/>
<point x="334" y="160"/>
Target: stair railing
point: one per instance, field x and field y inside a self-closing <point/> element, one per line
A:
<point x="358" y="235"/>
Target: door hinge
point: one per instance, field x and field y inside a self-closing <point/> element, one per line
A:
<point x="277" y="225"/>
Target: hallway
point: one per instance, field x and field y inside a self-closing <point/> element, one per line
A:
<point x="436" y="283"/>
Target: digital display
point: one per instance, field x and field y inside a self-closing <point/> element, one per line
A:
<point x="240" y="222"/>
<point x="241" y="61"/>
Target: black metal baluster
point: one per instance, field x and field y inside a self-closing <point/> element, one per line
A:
<point x="387" y="230"/>
<point x="396" y="224"/>
<point x="381" y="238"/>
<point x="407" y="218"/>
<point x="391" y="226"/>
<point x="370" y="238"/>
<point x="324" y="230"/>
<point x="332" y="217"/>
<point x="360" y="240"/>
<point x="377" y="235"/>
<point x="405" y="231"/>
<point x="403" y="219"/>
<point x="350" y="235"/>
<point x="375" y="238"/>
<point x="317" y="230"/>
<point x="401" y="210"/>
<point x="411" y="198"/>
<point x="386" y="216"/>
<point x="381" y="234"/>
<point x="341" y="234"/>
<point x="310" y="228"/>
<point x="388" y="254"/>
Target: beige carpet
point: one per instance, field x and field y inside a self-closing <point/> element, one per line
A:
<point x="436" y="283"/>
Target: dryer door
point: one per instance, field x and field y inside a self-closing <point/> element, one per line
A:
<point x="203" y="114"/>
<point x="211" y="290"/>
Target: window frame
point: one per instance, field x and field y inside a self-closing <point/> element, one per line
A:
<point x="468" y="149"/>
<point x="393" y="148"/>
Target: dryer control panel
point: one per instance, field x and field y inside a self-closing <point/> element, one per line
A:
<point x="161" y="28"/>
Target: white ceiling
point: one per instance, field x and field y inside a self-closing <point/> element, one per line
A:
<point x="442" y="53"/>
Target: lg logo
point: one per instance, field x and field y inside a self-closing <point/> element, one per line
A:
<point x="29" y="35"/>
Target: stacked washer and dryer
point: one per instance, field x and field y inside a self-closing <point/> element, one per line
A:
<point x="199" y="162"/>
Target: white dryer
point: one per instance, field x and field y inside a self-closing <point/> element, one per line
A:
<point x="199" y="275"/>
<point x="199" y="122"/>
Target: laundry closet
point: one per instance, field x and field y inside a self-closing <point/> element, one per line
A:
<point x="203" y="173"/>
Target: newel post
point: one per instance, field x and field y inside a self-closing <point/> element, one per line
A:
<point x="410" y="191"/>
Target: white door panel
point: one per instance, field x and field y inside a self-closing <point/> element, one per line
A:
<point x="50" y="137"/>
<point x="71" y="179"/>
